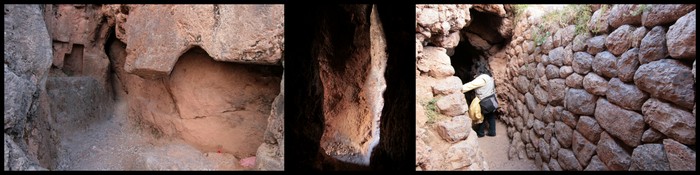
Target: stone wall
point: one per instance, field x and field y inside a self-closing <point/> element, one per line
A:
<point x="618" y="95"/>
<point x="442" y="122"/>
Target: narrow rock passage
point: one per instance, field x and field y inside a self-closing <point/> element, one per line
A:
<point x="495" y="150"/>
<point x="116" y="143"/>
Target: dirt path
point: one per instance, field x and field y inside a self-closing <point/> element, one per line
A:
<point x="116" y="144"/>
<point x="495" y="150"/>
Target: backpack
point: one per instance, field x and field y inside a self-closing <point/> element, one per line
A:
<point x="489" y="104"/>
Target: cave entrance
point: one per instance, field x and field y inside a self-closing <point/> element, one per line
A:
<point x="222" y="106"/>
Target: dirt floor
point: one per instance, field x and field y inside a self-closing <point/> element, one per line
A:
<point x="495" y="150"/>
<point x="117" y="144"/>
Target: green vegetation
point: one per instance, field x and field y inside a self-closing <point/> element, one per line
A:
<point x="431" y="110"/>
<point x="578" y="15"/>
<point x="519" y="9"/>
<point x="641" y="9"/>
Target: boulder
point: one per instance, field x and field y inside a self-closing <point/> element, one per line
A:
<point x="583" y="149"/>
<point x="667" y="79"/>
<point x="574" y="81"/>
<point x="455" y="129"/>
<point x="651" y="135"/>
<point x="649" y="157"/>
<point x="624" y="95"/>
<point x="563" y="134"/>
<point x="448" y="86"/>
<point x="568" y="161"/>
<point x="557" y="91"/>
<point x="627" y="65"/>
<point x="680" y="157"/>
<point x="625" y="14"/>
<point x="565" y="71"/>
<point x="452" y="105"/>
<point x="596" y="44"/>
<point x="625" y="125"/>
<point x="596" y="165"/>
<point x="605" y="64"/>
<point x="613" y="155"/>
<point x="582" y="62"/>
<point x="664" y="14"/>
<point x="589" y="128"/>
<point x="599" y="21"/>
<point x="653" y="46"/>
<point x="673" y="122"/>
<point x="580" y="102"/>
<point x="595" y="84"/>
<point x="681" y="38"/>
<point x="619" y="40"/>
<point x="579" y="42"/>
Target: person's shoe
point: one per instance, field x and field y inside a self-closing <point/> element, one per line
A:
<point x="492" y="135"/>
<point x="480" y="136"/>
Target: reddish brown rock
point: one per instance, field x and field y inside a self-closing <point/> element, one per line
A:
<point x="521" y="83"/>
<point x="625" y="125"/>
<point x="568" y="161"/>
<point x="452" y="105"/>
<point x="567" y="117"/>
<point x="681" y="38"/>
<point x="448" y="86"/>
<point x="624" y="95"/>
<point x="589" y="128"/>
<point x="544" y="150"/>
<point x="596" y="165"/>
<point x="651" y="135"/>
<point x="541" y="95"/>
<point x="565" y="71"/>
<point x="557" y="91"/>
<point x="206" y="26"/>
<point x="583" y="149"/>
<point x="627" y="65"/>
<point x="580" y="102"/>
<point x="557" y="56"/>
<point x="680" y="157"/>
<point x="563" y="134"/>
<point x="619" y="40"/>
<point x="653" y="46"/>
<point x="595" y="84"/>
<point x="437" y="62"/>
<point x="552" y="71"/>
<point x="605" y="64"/>
<point x="676" y="123"/>
<point x="621" y="14"/>
<point x="638" y="35"/>
<point x="530" y="102"/>
<point x="649" y="157"/>
<point x="554" y="144"/>
<point x="455" y="129"/>
<point x="596" y="44"/>
<point x="612" y="154"/>
<point x="663" y="14"/>
<point x="667" y="79"/>
<point x="574" y="81"/>
<point x="582" y="62"/>
<point x="579" y="42"/>
<point x="599" y="21"/>
<point x="554" y="165"/>
<point x="447" y="41"/>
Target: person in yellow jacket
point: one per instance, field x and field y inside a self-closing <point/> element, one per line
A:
<point x="485" y="91"/>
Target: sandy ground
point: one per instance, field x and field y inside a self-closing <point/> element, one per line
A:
<point x="495" y="150"/>
<point x="116" y="144"/>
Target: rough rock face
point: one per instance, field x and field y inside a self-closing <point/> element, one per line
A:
<point x="604" y="64"/>
<point x="436" y="61"/>
<point x="557" y="91"/>
<point x="455" y="129"/>
<point x="578" y="101"/>
<point x="448" y="85"/>
<point x="583" y="149"/>
<point x="596" y="165"/>
<point x="564" y="134"/>
<point x="612" y="154"/>
<point x="621" y="14"/>
<point x="574" y="81"/>
<point x="589" y="128"/>
<point x="665" y="14"/>
<point x="76" y="102"/>
<point x="270" y="154"/>
<point x="619" y="40"/>
<point x="567" y="161"/>
<point x="596" y="44"/>
<point x="625" y="125"/>
<point x="649" y="157"/>
<point x="595" y="84"/>
<point x="452" y="105"/>
<point x="676" y="123"/>
<point x="651" y="135"/>
<point x="27" y="60"/>
<point x="181" y="27"/>
<point x="627" y="65"/>
<point x="653" y="46"/>
<point x="582" y="62"/>
<point x="579" y="42"/>
<point x="681" y="37"/>
<point x="624" y="95"/>
<point x="680" y="157"/>
<point x="599" y="21"/>
<point x="667" y="79"/>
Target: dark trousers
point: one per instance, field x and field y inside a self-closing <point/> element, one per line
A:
<point x="491" y="119"/>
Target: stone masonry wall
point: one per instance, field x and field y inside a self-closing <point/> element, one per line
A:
<point x="617" y="97"/>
